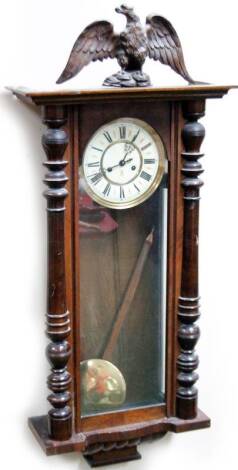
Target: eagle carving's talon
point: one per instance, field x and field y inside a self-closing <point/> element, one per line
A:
<point x="128" y="83"/>
<point x="112" y="81"/>
<point x="120" y="79"/>
<point x="142" y="79"/>
<point x="127" y="79"/>
<point x="123" y="75"/>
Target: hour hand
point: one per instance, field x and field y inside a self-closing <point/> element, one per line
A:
<point x="110" y="168"/>
<point x="121" y="163"/>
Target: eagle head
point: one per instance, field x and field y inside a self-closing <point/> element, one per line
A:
<point x="127" y="11"/>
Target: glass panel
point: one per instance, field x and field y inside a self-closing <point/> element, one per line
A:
<point x="122" y="303"/>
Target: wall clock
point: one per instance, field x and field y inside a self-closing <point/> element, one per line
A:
<point x="123" y="179"/>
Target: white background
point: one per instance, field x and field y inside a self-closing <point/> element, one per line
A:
<point x="35" y="39"/>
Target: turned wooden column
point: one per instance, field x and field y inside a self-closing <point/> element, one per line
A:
<point x="188" y="309"/>
<point x="54" y="142"/>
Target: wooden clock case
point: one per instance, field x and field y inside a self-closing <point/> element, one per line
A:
<point x="71" y="118"/>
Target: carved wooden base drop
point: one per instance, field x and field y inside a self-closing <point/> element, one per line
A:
<point x="113" y="439"/>
<point x="106" y="454"/>
<point x="71" y="119"/>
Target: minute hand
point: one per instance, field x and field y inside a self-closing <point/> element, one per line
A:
<point x="123" y="160"/>
<point x="128" y="151"/>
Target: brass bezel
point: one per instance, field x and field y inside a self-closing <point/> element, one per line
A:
<point x="159" y="175"/>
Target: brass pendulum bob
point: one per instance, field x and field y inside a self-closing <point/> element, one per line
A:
<point x="103" y="385"/>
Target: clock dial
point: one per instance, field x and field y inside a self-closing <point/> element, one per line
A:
<point x="123" y="163"/>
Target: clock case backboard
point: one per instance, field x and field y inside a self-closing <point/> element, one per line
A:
<point x="71" y="119"/>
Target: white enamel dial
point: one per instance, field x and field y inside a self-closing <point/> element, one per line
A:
<point x="123" y="163"/>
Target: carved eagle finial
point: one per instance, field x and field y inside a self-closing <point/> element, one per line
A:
<point x="98" y="41"/>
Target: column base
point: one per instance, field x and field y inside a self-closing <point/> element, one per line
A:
<point x="186" y="408"/>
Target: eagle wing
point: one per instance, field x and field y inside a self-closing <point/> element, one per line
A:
<point x="96" y="42"/>
<point x="164" y="45"/>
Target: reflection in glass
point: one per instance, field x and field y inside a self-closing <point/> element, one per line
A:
<point x="122" y="304"/>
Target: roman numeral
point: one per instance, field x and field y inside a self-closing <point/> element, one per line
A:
<point x="122" y="132"/>
<point x="107" y="190"/>
<point x="108" y="137"/>
<point x="135" y="136"/>
<point x="149" y="161"/>
<point x="138" y="189"/>
<point x="96" y="148"/>
<point x="145" y="176"/>
<point x="94" y="164"/>
<point x="96" y="178"/>
<point x="146" y="146"/>
<point x="122" y="193"/>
